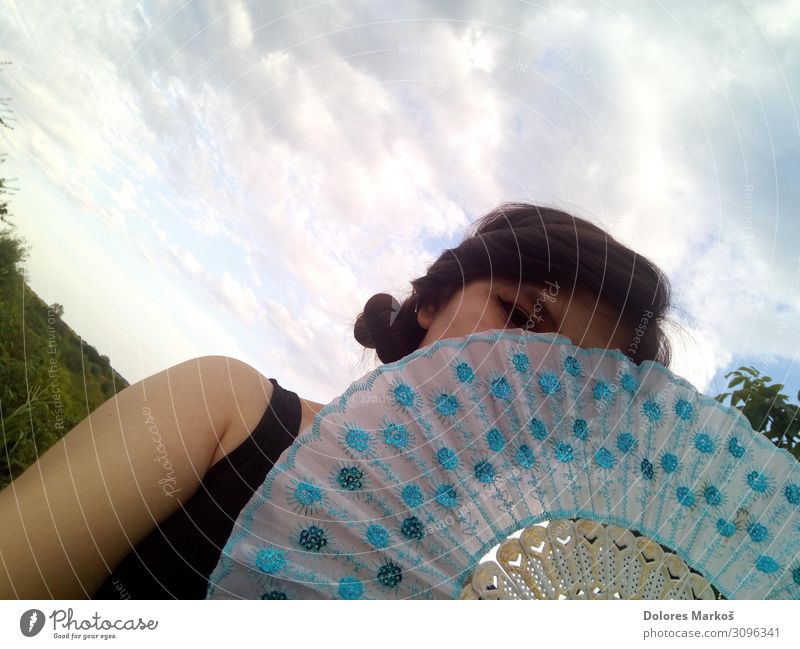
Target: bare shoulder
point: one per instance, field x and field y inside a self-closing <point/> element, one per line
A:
<point x="245" y="394"/>
<point x="248" y="395"/>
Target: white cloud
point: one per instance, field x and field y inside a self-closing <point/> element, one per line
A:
<point x="186" y="260"/>
<point x="778" y="19"/>
<point x="300" y="160"/>
<point x="238" y="298"/>
<point x="479" y="47"/>
<point x="241" y="27"/>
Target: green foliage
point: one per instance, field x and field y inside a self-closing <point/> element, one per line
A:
<point x="16" y="429"/>
<point x="5" y="191"/>
<point x="50" y="380"/>
<point x="765" y="407"/>
<point x="13" y="253"/>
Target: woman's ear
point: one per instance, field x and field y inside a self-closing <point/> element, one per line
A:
<point x="425" y="316"/>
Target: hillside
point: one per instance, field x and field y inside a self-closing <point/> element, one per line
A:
<point x="50" y="379"/>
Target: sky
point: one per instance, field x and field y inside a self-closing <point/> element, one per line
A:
<point x="239" y="178"/>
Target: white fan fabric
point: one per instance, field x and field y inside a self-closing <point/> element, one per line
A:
<point x="401" y="485"/>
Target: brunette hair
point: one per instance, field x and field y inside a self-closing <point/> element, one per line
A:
<point x="527" y="243"/>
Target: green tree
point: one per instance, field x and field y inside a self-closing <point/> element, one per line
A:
<point x="5" y="190"/>
<point x="765" y="407"/>
<point x="13" y="252"/>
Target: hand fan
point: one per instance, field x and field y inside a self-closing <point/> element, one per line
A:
<point x="401" y="485"/>
<point x="584" y="559"/>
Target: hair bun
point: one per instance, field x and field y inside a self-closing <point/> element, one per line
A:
<point x="382" y="326"/>
<point x="372" y="320"/>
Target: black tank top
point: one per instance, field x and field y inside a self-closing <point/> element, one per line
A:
<point x="175" y="560"/>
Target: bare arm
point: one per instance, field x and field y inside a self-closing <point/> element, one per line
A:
<point x="72" y="516"/>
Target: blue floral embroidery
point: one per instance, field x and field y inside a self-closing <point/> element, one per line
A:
<point x="757" y="532"/>
<point x="690" y="451"/>
<point x="712" y="495"/>
<point x="500" y="388"/>
<point x="704" y="443"/>
<point x="564" y="452"/>
<point x="684" y="409"/>
<point x="651" y="410"/>
<point x="464" y="373"/>
<point x="601" y="391"/>
<point x="685" y="496"/>
<point x="274" y="594"/>
<point x="525" y="457"/>
<point x="626" y="442"/>
<point x="447" y="404"/>
<point x="447" y="458"/>
<point x="549" y="383"/>
<point x="446" y="495"/>
<point x="581" y="429"/>
<point x="313" y="539"/>
<point x="605" y="458"/>
<point x="538" y="429"/>
<point x="629" y="383"/>
<point x="757" y="482"/>
<point x="412" y="495"/>
<point x="726" y="528"/>
<point x="669" y="463"/>
<point x="358" y="439"/>
<point x="484" y="472"/>
<point x="736" y="449"/>
<point x="495" y="440"/>
<point x="307" y="494"/>
<point x="351" y="478"/>
<point x="792" y="493"/>
<point x="396" y="435"/>
<point x="572" y="365"/>
<point x="390" y="575"/>
<point x="405" y="396"/>
<point x="521" y="362"/>
<point x="378" y="536"/>
<point x="270" y="560"/>
<point x="350" y="588"/>
<point x="412" y="528"/>
<point x="767" y="564"/>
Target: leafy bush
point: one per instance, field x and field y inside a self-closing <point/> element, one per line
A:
<point x="765" y="407"/>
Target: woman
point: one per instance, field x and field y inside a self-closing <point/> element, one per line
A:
<point x="73" y="517"/>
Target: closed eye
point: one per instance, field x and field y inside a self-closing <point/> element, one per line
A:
<point x="517" y="316"/>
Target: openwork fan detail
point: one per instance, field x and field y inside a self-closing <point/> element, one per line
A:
<point x="584" y="560"/>
<point x="401" y="485"/>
